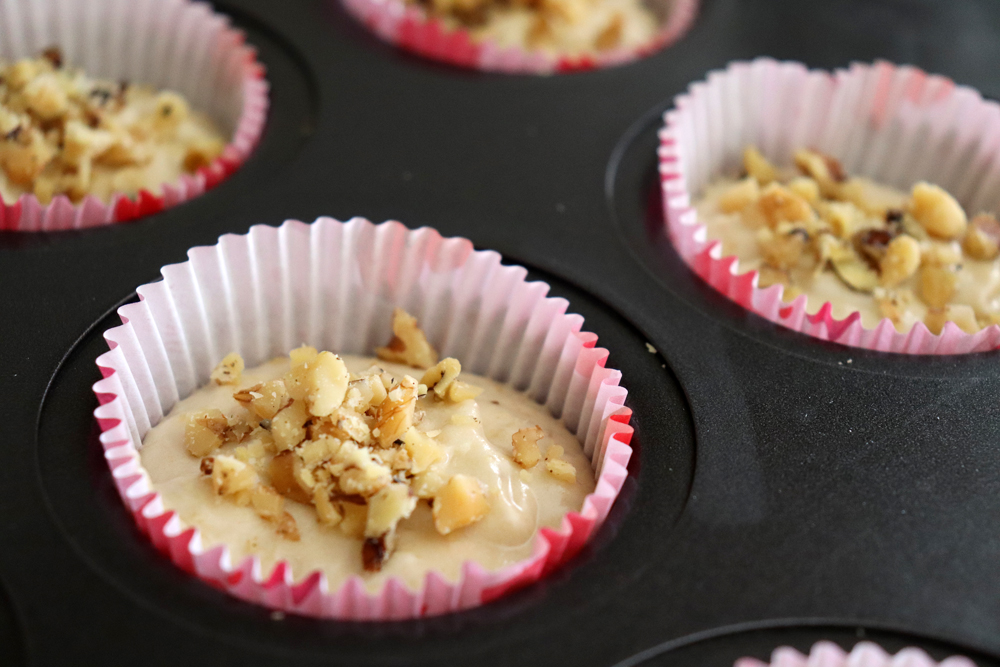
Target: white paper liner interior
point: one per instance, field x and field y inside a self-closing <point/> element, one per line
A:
<point x="334" y="285"/>
<point x="895" y="125"/>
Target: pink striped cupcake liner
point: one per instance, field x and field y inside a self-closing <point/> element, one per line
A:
<point x="274" y="288"/>
<point x="410" y="28"/>
<point x="174" y="44"/>
<point x="893" y="123"/>
<point x="865" y="654"/>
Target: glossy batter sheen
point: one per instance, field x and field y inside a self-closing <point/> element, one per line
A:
<point x="522" y="501"/>
<point x="978" y="281"/>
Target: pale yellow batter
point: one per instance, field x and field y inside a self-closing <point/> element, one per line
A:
<point x="476" y="436"/>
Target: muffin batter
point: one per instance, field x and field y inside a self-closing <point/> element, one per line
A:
<point x="861" y="246"/>
<point x="486" y="441"/>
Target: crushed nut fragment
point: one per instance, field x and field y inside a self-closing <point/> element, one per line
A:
<point x="525" y="443"/>
<point x="459" y="503"/>
<point x="229" y="370"/>
<point x="559" y="468"/>
<point x="409" y="344"/>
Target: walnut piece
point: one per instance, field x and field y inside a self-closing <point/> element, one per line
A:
<point x="562" y="470"/>
<point x="937" y="211"/>
<point x="982" y="239"/>
<point x="525" y="443"/>
<point x="901" y="260"/>
<point x="409" y="344"/>
<point x="459" y="503"/>
<point x="758" y="167"/>
<point x="229" y="370"/>
<point x="231" y="476"/>
<point x="395" y="414"/>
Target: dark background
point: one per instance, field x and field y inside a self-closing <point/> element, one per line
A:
<point x="785" y="490"/>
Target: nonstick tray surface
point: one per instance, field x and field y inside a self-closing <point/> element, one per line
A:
<point x="784" y="490"/>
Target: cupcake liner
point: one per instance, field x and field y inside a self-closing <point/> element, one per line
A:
<point x="864" y="654"/>
<point x="409" y="27"/>
<point x="175" y="44"/>
<point x="265" y="292"/>
<point x="895" y="124"/>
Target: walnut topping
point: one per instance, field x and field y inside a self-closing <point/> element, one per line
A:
<point x="559" y="468"/>
<point x="409" y="344"/>
<point x="443" y="380"/>
<point x="982" y="240"/>
<point x="937" y="211"/>
<point x="205" y="432"/>
<point x="760" y="170"/>
<point x="64" y="134"/>
<point x="525" y="443"/>
<point x="350" y="445"/>
<point x="229" y="370"/>
<point x="907" y="250"/>
<point x="395" y="414"/>
<point x="230" y="476"/>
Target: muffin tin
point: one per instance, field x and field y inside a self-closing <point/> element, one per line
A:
<point x="785" y="490"/>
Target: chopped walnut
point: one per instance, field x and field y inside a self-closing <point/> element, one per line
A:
<point x="459" y="503"/>
<point x="559" y="468"/>
<point x="937" y="211"/>
<point x="982" y="239"/>
<point x="231" y="476"/>
<point x="288" y="426"/>
<point x="758" y="167"/>
<point x="525" y="443"/>
<point x="229" y="370"/>
<point x="205" y="432"/>
<point x="779" y="204"/>
<point x="409" y="344"/>
<point x="395" y="414"/>
<point x="264" y="399"/>
<point x="901" y="260"/>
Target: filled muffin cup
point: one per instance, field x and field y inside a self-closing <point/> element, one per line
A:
<point x="335" y="285"/>
<point x="412" y="28"/>
<point x="864" y="654"/>
<point x="174" y="45"/>
<point x="893" y="124"/>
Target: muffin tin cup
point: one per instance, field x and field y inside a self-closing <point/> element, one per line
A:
<point x="173" y="44"/>
<point x="410" y="28"/>
<point x="895" y="124"/>
<point x="864" y="654"/>
<point x="334" y="285"/>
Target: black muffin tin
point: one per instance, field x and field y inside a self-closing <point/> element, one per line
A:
<point x="783" y="489"/>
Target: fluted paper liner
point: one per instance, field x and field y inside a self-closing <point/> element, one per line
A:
<point x="333" y="285"/>
<point x="176" y="44"/>
<point x="897" y="125"/>
<point x="409" y="27"/>
<point x="864" y="654"/>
